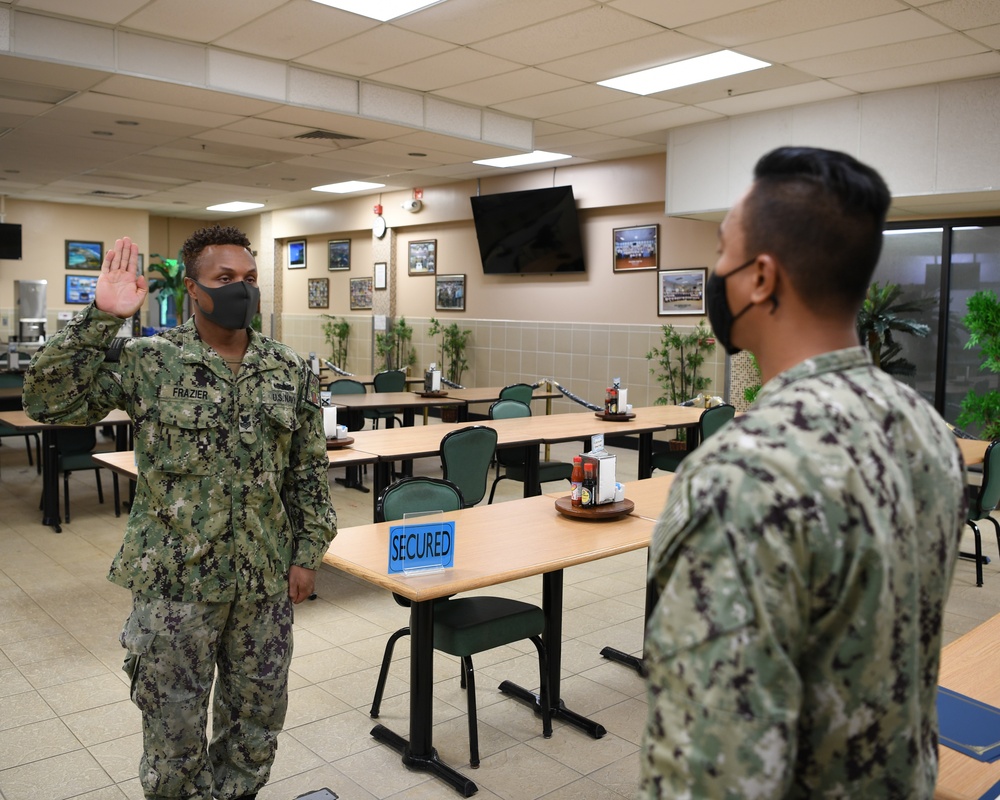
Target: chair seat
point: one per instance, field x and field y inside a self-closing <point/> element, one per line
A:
<point x="547" y="471"/>
<point x="467" y="625"/>
<point x="668" y="460"/>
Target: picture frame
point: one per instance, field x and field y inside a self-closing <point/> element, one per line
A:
<point x="381" y="276"/>
<point x="449" y="292"/>
<point x="361" y="294"/>
<point x="84" y="255"/>
<point x="422" y="257"/>
<point x="297" y="254"/>
<point x="319" y="293"/>
<point x="338" y="255"/>
<point x="681" y="291"/>
<point x="636" y="248"/>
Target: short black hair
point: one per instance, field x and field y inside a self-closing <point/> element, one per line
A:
<point x="206" y="237"/>
<point x="821" y="213"/>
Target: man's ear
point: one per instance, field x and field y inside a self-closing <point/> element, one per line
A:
<point x="766" y="280"/>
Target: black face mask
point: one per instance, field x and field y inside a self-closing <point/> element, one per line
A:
<point x="719" y="316"/>
<point x="234" y="305"/>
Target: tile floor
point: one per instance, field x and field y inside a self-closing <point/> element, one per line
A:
<point x="68" y="729"/>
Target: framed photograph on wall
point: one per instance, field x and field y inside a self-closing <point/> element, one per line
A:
<point x="449" y="293"/>
<point x="297" y="254"/>
<point x="339" y="254"/>
<point x="381" y="275"/>
<point x="635" y="248"/>
<point x="681" y="291"/>
<point x="84" y="255"/>
<point x="319" y="293"/>
<point x="422" y="259"/>
<point x="361" y="294"/>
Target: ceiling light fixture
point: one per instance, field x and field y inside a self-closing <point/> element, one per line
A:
<point x="383" y="10"/>
<point x="684" y="73"/>
<point x="236" y="205"/>
<point x="534" y="157"/>
<point x="347" y="186"/>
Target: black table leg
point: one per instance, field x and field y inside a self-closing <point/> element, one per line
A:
<point x="419" y="752"/>
<point x="552" y="602"/>
<point x="532" y="488"/>
<point x="50" y="481"/>
<point x="629" y="660"/>
<point x="352" y="479"/>
<point x="645" y="455"/>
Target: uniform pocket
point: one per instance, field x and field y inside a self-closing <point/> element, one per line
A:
<point x="188" y="436"/>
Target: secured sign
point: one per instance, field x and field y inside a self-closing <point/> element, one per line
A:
<point x="423" y="546"/>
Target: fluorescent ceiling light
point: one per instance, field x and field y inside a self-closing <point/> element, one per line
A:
<point x="684" y="73"/>
<point x="347" y="186"/>
<point x="535" y="157"/>
<point x="237" y="205"/>
<point x="908" y="231"/>
<point x="382" y="10"/>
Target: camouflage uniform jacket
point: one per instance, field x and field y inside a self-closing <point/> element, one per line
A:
<point x="232" y="483"/>
<point x="803" y="561"/>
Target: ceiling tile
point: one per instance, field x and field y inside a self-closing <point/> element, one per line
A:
<point x="196" y="20"/>
<point x="374" y="51"/>
<point x="611" y="112"/>
<point x="110" y="12"/>
<point x="776" y="98"/>
<point x="735" y="85"/>
<point x="566" y="36"/>
<point x="188" y="97"/>
<point x="965" y="14"/>
<point x="888" y="56"/>
<point x="445" y="69"/>
<point x="678" y="13"/>
<point x="990" y="35"/>
<point x="562" y="101"/>
<point x="661" y="121"/>
<point x="935" y="72"/>
<point x="130" y="108"/>
<point x="509" y="86"/>
<point x="466" y="21"/>
<point x="631" y="56"/>
<point x="785" y="18"/>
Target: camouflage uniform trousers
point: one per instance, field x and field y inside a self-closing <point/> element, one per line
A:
<point x="173" y="651"/>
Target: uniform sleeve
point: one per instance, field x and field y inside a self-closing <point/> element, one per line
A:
<point x="306" y="486"/>
<point x="68" y="381"/>
<point x="724" y="694"/>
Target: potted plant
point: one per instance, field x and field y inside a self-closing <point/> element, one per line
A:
<point x="169" y="285"/>
<point x="393" y="346"/>
<point x="679" y="360"/>
<point x="983" y="324"/>
<point x="336" y="334"/>
<point x="882" y="313"/>
<point x="454" y="341"/>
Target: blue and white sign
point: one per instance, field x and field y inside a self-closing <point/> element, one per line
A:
<point x="424" y="546"/>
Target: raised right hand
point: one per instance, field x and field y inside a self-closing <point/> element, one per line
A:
<point x="120" y="289"/>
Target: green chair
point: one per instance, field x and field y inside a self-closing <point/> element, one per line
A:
<point x="466" y="456"/>
<point x="466" y="625"/>
<point x="710" y="421"/>
<point x="391" y="380"/>
<point x="13" y="380"/>
<point x="354" y="421"/>
<point x="518" y="391"/>
<point x="512" y="459"/>
<point x="982" y="500"/>
<point x="74" y="447"/>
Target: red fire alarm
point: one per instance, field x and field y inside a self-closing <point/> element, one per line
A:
<point x="377" y="209"/>
<point x="418" y="194"/>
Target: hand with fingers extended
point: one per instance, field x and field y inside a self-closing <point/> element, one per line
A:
<point x="120" y="289"/>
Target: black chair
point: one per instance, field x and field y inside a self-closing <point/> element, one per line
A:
<point x="74" y="447"/>
<point x="710" y="421"/>
<point x="392" y="380"/>
<point x="512" y="459"/>
<point x="466" y="456"/>
<point x="984" y="499"/>
<point x="466" y="625"/>
<point x="518" y="391"/>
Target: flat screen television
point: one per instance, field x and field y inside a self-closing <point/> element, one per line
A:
<point x="10" y="240"/>
<point x="80" y="289"/>
<point x="535" y="231"/>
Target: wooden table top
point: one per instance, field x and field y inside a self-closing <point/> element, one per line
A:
<point x="973" y="450"/>
<point x="373" y="400"/>
<point x="21" y="421"/>
<point x="489" y="394"/>
<point x="649" y="495"/>
<point x="327" y="376"/>
<point x="494" y="544"/>
<point x="969" y="666"/>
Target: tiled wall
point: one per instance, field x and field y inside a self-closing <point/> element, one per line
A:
<point x="581" y="357"/>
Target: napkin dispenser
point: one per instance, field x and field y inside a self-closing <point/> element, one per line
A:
<point x="432" y="379"/>
<point x="330" y="422"/>
<point x="605" y="466"/>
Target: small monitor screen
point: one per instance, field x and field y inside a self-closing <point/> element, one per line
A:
<point x="10" y="240"/>
<point x="80" y="289"/>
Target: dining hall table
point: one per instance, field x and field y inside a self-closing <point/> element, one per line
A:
<point x="493" y="544"/>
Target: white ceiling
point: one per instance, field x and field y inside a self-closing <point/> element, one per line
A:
<point x="478" y="65"/>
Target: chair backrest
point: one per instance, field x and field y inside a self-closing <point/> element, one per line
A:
<point x="73" y="447"/>
<point x="989" y="492"/>
<point x="345" y="386"/>
<point x="393" y="380"/>
<point x="509" y="409"/>
<point x="517" y="391"/>
<point x="714" y="418"/>
<point x="418" y="494"/>
<point x="466" y="455"/>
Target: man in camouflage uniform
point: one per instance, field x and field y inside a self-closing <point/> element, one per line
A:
<point x="232" y="512"/>
<point x="806" y="550"/>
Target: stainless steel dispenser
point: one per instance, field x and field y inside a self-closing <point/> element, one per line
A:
<point x="29" y="311"/>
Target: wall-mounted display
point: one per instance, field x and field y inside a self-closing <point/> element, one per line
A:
<point x="361" y="294"/>
<point x="319" y="293"/>
<point x="297" y="254"/>
<point x="635" y="248"/>
<point x="449" y="293"/>
<point x="84" y="255"/>
<point x="340" y="254"/>
<point x="80" y="289"/>
<point x="681" y="291"/>
<point x="422" y="257"/>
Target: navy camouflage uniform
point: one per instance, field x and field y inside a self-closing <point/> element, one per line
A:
<point x="232" y="490"/>
<point x="803" y="561"/>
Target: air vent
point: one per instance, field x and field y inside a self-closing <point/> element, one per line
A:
<point x="329" y="135"/>
<point x="113" y="195"/>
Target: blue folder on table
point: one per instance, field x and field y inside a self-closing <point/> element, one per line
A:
<point x="968" y="725"/>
